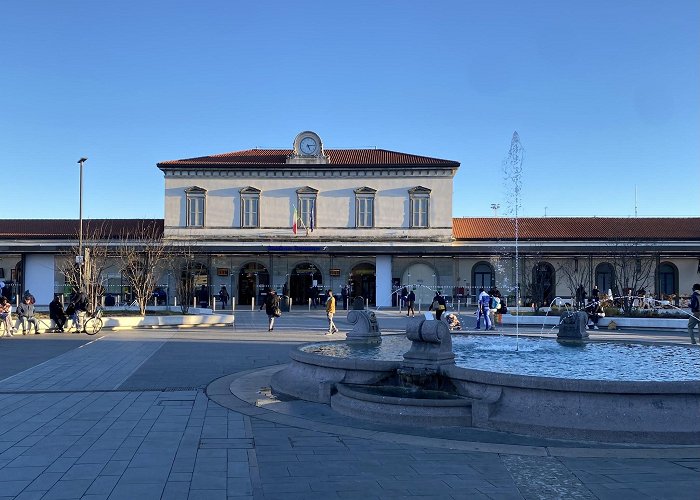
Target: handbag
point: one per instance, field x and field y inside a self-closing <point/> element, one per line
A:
<point x="277" y="312"/>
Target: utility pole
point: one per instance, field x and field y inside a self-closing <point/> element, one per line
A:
<point x="80" y="258"/>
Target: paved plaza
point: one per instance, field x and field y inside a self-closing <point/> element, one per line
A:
<point x="186" y="413"/>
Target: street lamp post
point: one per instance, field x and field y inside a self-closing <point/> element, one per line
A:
<point x="80" y="258"/>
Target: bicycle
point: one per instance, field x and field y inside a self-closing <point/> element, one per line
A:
<point x="93" y="323"/>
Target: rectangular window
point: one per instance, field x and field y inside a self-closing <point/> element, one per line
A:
<point x="419" y="212"/>
<point x="307" y="211"/>
<point x="195" y="211"/>
<point x="250" y="212"/>
<point x="364" y="216"/>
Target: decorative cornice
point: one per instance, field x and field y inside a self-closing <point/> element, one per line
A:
<point x="330" y="172"/>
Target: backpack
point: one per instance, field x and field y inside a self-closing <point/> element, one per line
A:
<point x="493" y="303"/>
<point x="694" y="303"/>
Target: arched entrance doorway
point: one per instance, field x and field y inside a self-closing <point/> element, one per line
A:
<point x="605" y="277"/>
<point x="482" y="277"/>
<point x="668" y="279"/>
<point x="421" y="278"/>
<point x="301" y="280"/>
<point x="363" y="282"/>
<point x="542" y="287"/>
<point x="253" y="279"/>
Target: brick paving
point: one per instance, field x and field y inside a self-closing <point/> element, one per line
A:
<point x="148" y="414"/>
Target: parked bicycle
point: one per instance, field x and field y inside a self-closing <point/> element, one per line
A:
<point x="92" y="323"/>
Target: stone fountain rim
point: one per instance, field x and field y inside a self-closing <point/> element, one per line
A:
<point x="691" y="387"/>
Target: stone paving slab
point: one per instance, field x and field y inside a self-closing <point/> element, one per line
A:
<point x="104" y="439"/>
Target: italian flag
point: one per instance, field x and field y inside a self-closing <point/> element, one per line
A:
<point x="294" y="222"/>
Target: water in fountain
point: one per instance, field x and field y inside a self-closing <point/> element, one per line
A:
<point x="512" y="171"/>
<point x="586" y="361"/>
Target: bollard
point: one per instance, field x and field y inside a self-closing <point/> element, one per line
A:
<point x="194" y="301"/>
<point x="252" y="304"/>
<point x="309" y="304"/>
<point x="233" y="304"/>
<point x="213" y="307"/>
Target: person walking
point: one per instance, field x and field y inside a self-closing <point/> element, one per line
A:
<point x="330" y="311"/>
<point x="25" y="313"/>
<point x="483" y="310"/>
<point x="56" y="314"/>
<point x="410" y="302"/>
<point x="438" y="305"/>
<point x="272" y="308"/>
<point x="223" y="296"/>
<point x="694" y="319"/>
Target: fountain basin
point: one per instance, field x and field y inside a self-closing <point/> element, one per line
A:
<point x="400" y="405"/>
<point x="639" y="411"/>
<point x="312" y="377"/>
<point x="596" y="410"/>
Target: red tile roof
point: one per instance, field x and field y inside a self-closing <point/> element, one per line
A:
<point x="358" y="157"/>
<point x="464" y="228"/>
<point x="577" y="228"/>
<point x="69" y="228"/>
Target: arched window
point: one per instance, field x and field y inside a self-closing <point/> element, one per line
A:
<point x="668" y="279"/>
<point x="543" y="283"/>
<point x="482" y="277"/>
<point x="604" y="277"/>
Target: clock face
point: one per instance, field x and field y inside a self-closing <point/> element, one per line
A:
<point x="308" y="146"/>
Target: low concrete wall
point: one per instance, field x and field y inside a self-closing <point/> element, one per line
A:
<point x="127" y="322"/>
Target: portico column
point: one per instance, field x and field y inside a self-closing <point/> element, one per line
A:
<point x="383" y="280"/>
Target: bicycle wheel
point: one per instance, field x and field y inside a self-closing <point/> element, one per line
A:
<point x="93" y="325"/>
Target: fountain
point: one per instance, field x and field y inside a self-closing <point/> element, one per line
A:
<point x="542" y="388"/>
<point x="583" y="390"/>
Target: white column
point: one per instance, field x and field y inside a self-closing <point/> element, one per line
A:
<point x="383" y="280"/>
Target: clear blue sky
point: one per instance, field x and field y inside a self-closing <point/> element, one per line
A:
<point x="604" y="95"/>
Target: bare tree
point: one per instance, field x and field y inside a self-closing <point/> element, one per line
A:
<point x="531" y="281"/>
<point x="142" y="252"/>
<point x="574" y="273"/>
<point x="633" y="265"/>
<point x="90" y="275"/>
<point x="184" y="267"/>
